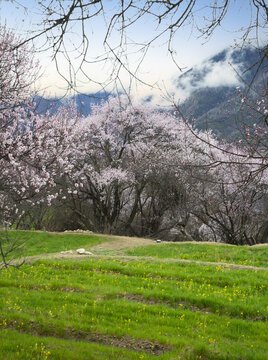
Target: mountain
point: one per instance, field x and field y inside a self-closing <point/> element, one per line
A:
<point x="226" y="68"/>
<point x="84" y="102"/>
<point x="211" y="89"/>
<point x="42" y="105"/>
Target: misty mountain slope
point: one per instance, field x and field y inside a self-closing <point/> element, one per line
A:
<point x="84" y="102"/>
<point x="44" y="105"/>
<point x="228" y="68"/>
<point x="210" y="88"/>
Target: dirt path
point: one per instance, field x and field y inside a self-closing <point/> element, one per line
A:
<point x="76" y="257"/>
<point x="116" y="247"/>
<point x="119" y="244"/>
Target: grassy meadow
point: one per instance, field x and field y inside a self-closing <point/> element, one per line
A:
<point x="134" y="307"/>
<point x="36" y="243"/>
<point x="241" y="255"/>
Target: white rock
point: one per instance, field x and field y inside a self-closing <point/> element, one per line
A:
<point x="83" y="252"/>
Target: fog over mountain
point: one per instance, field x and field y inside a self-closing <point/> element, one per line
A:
<point x="210" y="88"/>
<point x="228" y="68"/>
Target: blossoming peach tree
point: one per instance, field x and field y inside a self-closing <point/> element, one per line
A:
<point x="116" y="170"/>
<point x="29" y="144"/>
<point x="136" y="170"/>
<point x="232" y="196"/>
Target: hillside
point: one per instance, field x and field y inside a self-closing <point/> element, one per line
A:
<point x="185" y="301"/>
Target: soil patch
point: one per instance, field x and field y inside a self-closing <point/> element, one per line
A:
<point x="119" y="244"/>
<point x="152" y="301"/>
<point x="125" y="342"/>
<point x="67" y="289"/>
<point x="180" y="304"/>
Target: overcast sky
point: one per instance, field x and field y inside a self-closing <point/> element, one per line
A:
<point x="157" y="68"/>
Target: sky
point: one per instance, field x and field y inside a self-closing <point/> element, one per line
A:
<point x="157" y="73"/>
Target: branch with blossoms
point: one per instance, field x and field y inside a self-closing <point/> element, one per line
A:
<point x="251" y="150"/>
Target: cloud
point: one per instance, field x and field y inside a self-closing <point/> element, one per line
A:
<point x="214" y="72"/>
<point x="222" y="74"/>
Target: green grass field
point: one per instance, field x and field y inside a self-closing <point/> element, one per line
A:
<point x="35" y="243"/>
<point x="243" y="255"/>
<point x="107" y="307"/>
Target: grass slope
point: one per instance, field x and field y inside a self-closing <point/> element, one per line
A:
<point x="242" y="255"/>
<point x="109" y="308"/>
<point x="35" y="243"/>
